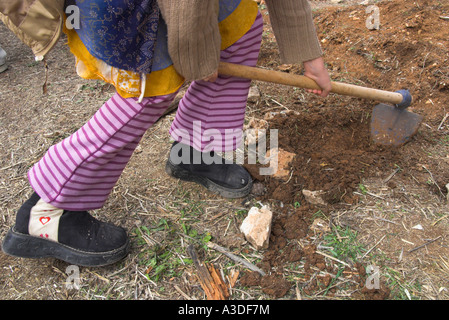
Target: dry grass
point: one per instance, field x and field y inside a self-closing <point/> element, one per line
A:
<point x="405" y="234"/>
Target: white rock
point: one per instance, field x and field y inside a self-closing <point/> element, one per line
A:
<point x="257" y="227"/>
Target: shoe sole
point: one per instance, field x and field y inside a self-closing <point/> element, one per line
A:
<point x="25" y="246"/>
<point x="185" y="175"/>
<point x="3" y="67"/>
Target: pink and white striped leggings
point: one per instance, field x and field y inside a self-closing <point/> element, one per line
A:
<point x="79" y="172"/>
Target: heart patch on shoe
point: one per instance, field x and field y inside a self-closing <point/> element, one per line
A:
<point x="44" y="220"/>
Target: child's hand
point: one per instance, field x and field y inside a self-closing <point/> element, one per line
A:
<point x="316" y="70"/>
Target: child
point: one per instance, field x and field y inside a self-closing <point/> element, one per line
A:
<point x="178" y="41"/>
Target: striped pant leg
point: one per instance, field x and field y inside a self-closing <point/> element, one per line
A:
<point x="211" y="114"/>
<point x="79" y="172"/>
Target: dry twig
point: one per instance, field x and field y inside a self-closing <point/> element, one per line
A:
<point x="210" y="280"/>
<point x="425" y="244"/>
<point x="235" y="258"/>
<point x="332" y="258"/>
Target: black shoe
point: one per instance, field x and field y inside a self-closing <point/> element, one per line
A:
<point x="82" y="239"/>
<point x="229" y="180"/>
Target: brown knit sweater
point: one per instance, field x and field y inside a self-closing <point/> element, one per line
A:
<point x="194" y="38"/>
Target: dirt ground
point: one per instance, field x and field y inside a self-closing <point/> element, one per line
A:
<point x="394" y="200"/>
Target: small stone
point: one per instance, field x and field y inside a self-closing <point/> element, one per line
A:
<point x="138" y="149"/>
<point x="254" y="94"/>
<point x="258" y="188"/>
<point x="314" y="197"/>
<point x="320" y="226"/>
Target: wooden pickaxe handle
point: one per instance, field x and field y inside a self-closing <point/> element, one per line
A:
<point x="304" y="82"/>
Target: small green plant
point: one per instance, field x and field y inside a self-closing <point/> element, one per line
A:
<point x="241" y="214"/>
<point x="362" y="188"/>
<point x="343" y="244"/>
<point x="319" y="214"/>
<point x="400" y="290"/>
<point x="166" y="261"/>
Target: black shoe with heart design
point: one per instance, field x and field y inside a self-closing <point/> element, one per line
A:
<point x="43" y="231"/>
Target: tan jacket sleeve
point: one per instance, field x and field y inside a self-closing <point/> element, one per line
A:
<point x="294" y="29"/>
<point x="193" y="36"/>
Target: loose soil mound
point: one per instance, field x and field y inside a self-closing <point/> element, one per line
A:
<point x="331" y="137"/>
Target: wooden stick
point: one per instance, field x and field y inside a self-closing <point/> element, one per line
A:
<point x="391" y="175"/>
<point x="425" y="244"/>
<point x="299" y="81"/>
<point x="235" y="258"/>
<point x="373" y="247"/>
<point x="332" y="258"/>
<point x="182" y="293"/>
<point x="442" y="121"/>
